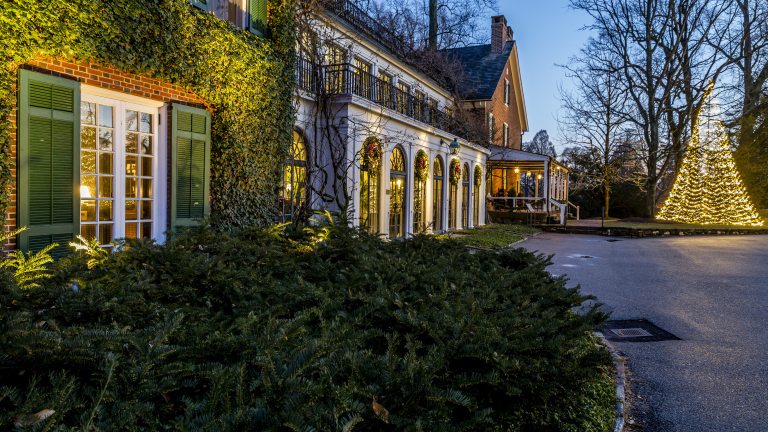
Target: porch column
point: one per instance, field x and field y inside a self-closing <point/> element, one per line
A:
<point x="410" y="181"/>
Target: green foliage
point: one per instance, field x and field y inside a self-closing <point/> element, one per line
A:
<point x="28" y="270"/>
<point x="493" y="236"/>
<point x="91" y="248"/>
<point x="298" y="329"/>
<point x="246" y="80"/>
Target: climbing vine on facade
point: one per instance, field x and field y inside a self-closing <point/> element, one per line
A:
<point x="246" y="80"/>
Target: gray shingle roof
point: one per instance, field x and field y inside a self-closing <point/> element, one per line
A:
<point x="482" y="69"/>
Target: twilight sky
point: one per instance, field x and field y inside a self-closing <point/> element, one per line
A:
<point x="547" y="33"/>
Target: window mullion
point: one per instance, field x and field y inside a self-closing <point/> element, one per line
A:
<point x="119" y="143"/>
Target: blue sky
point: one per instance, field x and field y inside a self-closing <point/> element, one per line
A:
<point x="548" y="32"/>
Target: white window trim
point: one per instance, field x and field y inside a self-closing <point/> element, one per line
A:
<point x="507" y="91"/>
<point x="121" y="102"/>
<point x="506" y="135"/>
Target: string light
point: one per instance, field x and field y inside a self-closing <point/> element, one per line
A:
<point x="708" y="189"/>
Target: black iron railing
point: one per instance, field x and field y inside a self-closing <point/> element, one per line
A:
<point x="347" y="80"/>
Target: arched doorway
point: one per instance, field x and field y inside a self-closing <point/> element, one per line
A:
<point x="437" y="194"/>
<point x="369" y="184"/>
<point x="421" y="172"/>
<point x="465" y="197"/>
<point x="294" y="191"/>
<point x="453" y="193"/>
<point x="397" y="184"/>
<point x="478" y="181"/>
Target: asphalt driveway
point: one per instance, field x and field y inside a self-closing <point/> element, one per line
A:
<point x="712" y="292"/>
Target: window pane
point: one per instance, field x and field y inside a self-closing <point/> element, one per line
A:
<point x="131" y="189"/>
<point x="88" y="137"/>
<point x="132" y="121"/>
<point x="146" y="144"/>
<point x="88" y="231"/>
<point x="105" y="187"/>
<point x="146" y="210"/>
<point x="87" y="187"/>
<point x="131" y="210"/>
<point x="146" y="123"/>
<point x="146" y="188"/>
<point x="131" y="165"/>
<point x="105" y="163"/>
<point x="146" y="166"/>
<point x="88" y="162"/>
<point x="131" y="142"/>
<point x="146" y="230"/>
<point x="88" y="210"/>
<point x="105" y="116"/>
<point x="87" y="113"/>
<point x="105" y="234"/>
<point x="131" y="230"/>
<point x="105" y="139"/>
<point x="105" y="210"/>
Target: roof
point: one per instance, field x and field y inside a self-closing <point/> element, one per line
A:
<point x="482" y="69"/>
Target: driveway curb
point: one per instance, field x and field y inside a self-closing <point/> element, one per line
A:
<point x="619" y="362"/>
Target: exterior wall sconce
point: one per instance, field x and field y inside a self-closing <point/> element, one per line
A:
<point x="455" y="146"/>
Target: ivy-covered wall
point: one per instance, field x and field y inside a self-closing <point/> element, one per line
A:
<point x="247" y="81"/>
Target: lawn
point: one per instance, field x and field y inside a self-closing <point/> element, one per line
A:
<point x="495" y="236"/>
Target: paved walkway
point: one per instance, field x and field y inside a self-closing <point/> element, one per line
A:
<point x="712" y="292"/>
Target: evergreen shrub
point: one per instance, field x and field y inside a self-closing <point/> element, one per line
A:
<point x="289" y="329"/>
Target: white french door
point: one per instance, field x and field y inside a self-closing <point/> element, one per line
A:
<point x="120" y="171"/>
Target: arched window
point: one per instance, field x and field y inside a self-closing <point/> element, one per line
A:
<point x="478" y="181"/>
<point x="465" y="197"/>
<point x="421" y="173"/>
<point x="397" y="184"/>
<point x="369" y="185"/>
<point x="454" y="176"/>
<point x="437" y="194"/>
<point x="294" y="178"/>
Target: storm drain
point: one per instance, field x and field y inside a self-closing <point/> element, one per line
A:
<point x="630" y="332"/>
<point x="635" y="331"/>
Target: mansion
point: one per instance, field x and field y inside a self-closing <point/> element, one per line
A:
<point x="384" y="139"/>
<point x="112" y="142"/>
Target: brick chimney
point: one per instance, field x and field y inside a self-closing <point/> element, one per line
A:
<point x="501" y="33"/>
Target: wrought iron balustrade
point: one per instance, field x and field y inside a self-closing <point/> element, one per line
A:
<point x="348" y="80"/>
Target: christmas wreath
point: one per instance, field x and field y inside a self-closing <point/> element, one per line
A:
<point x="478" y="176"/>
<point x="371" y="154"/>
<point x="455" y="171"/>
<point x="421" y="166"/>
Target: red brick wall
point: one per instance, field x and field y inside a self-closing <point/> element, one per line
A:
<point x="107" y="77"/>
<point x="506" y="114"/>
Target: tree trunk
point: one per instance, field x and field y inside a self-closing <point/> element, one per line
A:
<point x="606" y="199"/>
<point x="433" y="25"/>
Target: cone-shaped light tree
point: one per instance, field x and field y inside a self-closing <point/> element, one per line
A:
<point x="708" y="188"/>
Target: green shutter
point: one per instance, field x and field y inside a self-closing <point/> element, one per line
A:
<point x="48" y="163"/>
<point x="200" y="4"/>
<point x="190" y="179"/>
<point x="258" y="20"/>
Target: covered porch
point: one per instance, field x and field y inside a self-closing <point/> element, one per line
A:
<point x="527" y="186"/>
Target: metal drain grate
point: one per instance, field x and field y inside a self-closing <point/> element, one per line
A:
<point x="630" y="332"/>
<point x="639" y="330"/>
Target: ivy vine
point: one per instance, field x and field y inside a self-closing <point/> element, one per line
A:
<point x="246" y="81"/>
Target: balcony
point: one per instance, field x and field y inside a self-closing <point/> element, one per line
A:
<point x="349" y="80"/>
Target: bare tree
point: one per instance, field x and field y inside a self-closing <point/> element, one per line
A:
<point x="435" y="24"/>
<point x="665" y="61"/>
<point x="595" y="113"/>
